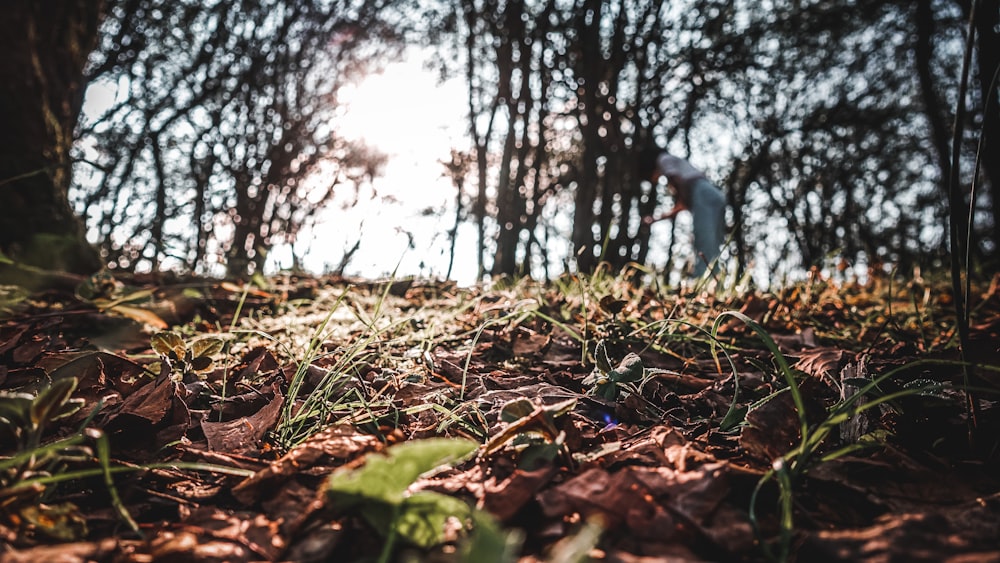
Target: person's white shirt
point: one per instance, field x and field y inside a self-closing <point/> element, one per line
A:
<point x="678" y="170"/>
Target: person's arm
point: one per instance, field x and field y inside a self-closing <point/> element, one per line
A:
<point x="680" y="199"/>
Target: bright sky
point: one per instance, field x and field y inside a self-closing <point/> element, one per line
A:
<point x="407" y="113"/>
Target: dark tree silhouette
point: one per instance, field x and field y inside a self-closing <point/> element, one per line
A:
<point x="219" y="144"/>
<point x="988" y="35"/>
<point x="45" y="47"/>
<point x="507" y="55"/>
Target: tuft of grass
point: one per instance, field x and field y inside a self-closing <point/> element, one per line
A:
<point x="787" y="470"/>
<point x="298" y="420"/>
<point x="304" y="414"/>
<point x="29" y="475"/>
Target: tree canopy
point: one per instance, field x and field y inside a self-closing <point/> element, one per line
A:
<point x="219" y="142"/>
<point x="827" y="123"/>
<point x="834" y="127"/>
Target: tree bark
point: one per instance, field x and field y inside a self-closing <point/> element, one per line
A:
<point x="988" y="32"/>
<point x="588" y="189"/>
<point x="45" y="46"/>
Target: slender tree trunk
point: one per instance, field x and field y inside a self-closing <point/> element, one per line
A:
<point x="160" y="203"/>
<point x="453" y="233"/>
<point x="479" y="210"/>
<point x="508" y="218"/>
<point x="933" y="107"/>
<point x="203" y="171"/>
<point x="245" y="231"/>
<point x="45" y="46"/>
<point x="988" y="30"/>
<point x="583" y="215"/>
<point x="588" y="191"/>
<point x="736" y="196"/>
<point x="457" y="169"/>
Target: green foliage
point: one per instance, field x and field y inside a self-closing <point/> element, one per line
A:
<point x="11" y="295"/>
<point x="23" y="477"/>
<point x="607" y="381"/>
<point x="378" y="491"/>
<point x="489" y="543"/>
<point x="788" y="469"/>
<point x="301" y="419"/>
<point x="195" y="357"/>
<point x="36" y="466"/>
<point x="533" y="429"/>
<point x="576" y="548"/>
<point x="24" y="418"/>
<point x="386" y="478"/>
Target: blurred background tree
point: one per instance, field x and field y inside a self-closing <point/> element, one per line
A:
<point x="828" y="123"/>
<point x="218" y="143"/>
<point x="832" y="138"/>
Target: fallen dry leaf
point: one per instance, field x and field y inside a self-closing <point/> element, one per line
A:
<point x="244" y="435"/>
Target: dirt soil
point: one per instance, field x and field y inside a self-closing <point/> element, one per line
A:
<point x="160" y="419"/>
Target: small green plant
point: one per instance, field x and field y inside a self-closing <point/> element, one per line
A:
<point x="186" y="359"/>
<point x="607" y="381"/>
<point x="24" y="418"/>
<point x="532" y="428"/>
<point x="29" y="476"/>
<point x="24" y="476"/>
<point x="379" y="492"/>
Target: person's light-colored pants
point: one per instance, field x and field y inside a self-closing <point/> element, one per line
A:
<point x="708" y="214"/>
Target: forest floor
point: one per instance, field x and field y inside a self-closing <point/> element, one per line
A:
<point x="318" y="419"/>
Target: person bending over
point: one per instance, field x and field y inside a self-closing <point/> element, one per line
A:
<point x="694" y="192"/>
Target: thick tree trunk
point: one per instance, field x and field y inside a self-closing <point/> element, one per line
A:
<point x="45" y="46"/>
